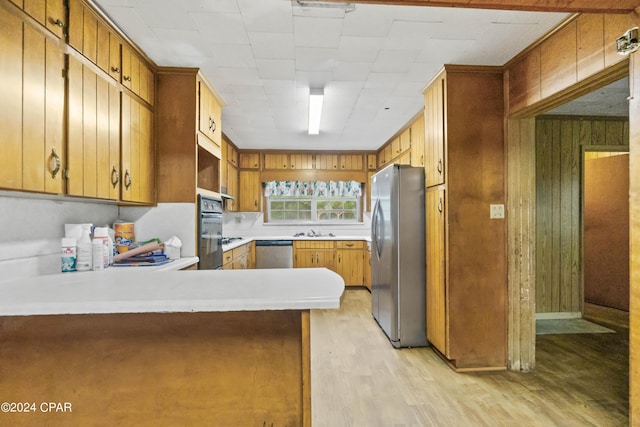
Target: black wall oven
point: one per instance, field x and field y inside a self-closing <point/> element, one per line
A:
<point x="209" y="233"/>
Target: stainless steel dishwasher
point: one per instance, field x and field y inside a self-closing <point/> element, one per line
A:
<point x="274" y="253"/>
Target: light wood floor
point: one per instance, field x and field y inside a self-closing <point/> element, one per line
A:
<point x="358" y="379"/>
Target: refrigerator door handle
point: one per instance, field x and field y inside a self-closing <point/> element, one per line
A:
<point x="378" y="232"/>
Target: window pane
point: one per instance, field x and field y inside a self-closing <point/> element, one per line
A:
<point x="305" y="215"/>
<point x="277" y="215"/>
<point x="322" y="205"/>
<point x="277" y="205"/>
<point x="336" y="204"/>
<point x="291" y="205"/>
<point x="349" y="215"/>
<point x="350" y="204"/>
<point x="291" y="215"/>
<point x="306" y="205"/>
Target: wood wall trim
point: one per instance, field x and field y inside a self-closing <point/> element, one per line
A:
<point x="610" y="6"/>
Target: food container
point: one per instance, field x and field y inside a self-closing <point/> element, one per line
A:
<point x="125" y="236"/>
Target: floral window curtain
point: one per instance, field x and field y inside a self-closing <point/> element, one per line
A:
<point x="313" y="188"/>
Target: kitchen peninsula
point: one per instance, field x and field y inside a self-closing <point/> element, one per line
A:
<point x="162" y="347"/>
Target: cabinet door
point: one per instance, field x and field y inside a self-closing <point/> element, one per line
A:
<point x="249" y="193"/>
<point x="232" y="187"/>
<point x="326" y="161"/>
<point x="249" y="160"/>
<point x="403" y="159"/>
<point x="372" y="162"/>
<point x="367" y="269"/>
<point x="90" y="36"/>
<point x="326" y="258"/>
<point x="417" y="142"/>
<point x="304" y="258"/>
<point x="114" y="143"/>
<point x="349" y="265"/>
<point x="435" y="258"/>
<point x="215" y="110"/>
<point x="127" y="70"/>
<point x="395" y="147"/>
<point x="353" y="162"/>
<point x="204" y="121"/>
<point x="405" y="140"/>
<point x="102" y="52"/>
<point x="11" y="106"/>
<point x="434" y="104"/>
<point x="301" y="161"/>
<point x="42" y="148"/>
<point x="138" y="184"/>
<point x="115" y="66"/>
<point x="75" y="28"/>
<point x="276" y="161"/>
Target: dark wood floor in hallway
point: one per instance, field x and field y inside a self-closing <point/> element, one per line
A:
<point x="358" y="379"/>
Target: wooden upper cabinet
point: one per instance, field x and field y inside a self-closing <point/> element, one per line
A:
<point x="115" y="65"/>
<point x="372" y="162"/>
<point x="137" y="152"/>
<point x="249" y="160"/>
<point x="434" y="132"/>
<point x="395" y="147"/>
<point x="75" y="28"/>
<point x="301" y="161"/>
<point x="326" y="161"/>
<point x="405" y="140"/>
<point x="353" y="162"/>
<point x="250" y="192"/>
<point x="232" y="154"/>
<point x="49" y="13"/>
<point x="30" y="123"/>
<point x="90" y="35"/>
<point x="103" y="49"/>
<point x="417" y="142"/>
<point x="209" y="115"/>
<point x="276" y="161"/>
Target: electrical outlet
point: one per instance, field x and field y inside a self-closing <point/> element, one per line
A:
<point x="496" y="211"/>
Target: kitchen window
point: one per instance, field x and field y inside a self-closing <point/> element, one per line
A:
<point x="313" y="202"/>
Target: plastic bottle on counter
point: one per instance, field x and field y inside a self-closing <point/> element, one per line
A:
<point x="84" y="254"/>
<point x="97" y="252"/>
<point x="68" y="254"/>
<point x="102" y="233"/>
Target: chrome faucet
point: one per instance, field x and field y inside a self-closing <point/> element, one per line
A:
<point x="312" y="233"/>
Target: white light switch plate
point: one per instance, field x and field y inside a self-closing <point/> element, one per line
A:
<point x="496" y="211"/>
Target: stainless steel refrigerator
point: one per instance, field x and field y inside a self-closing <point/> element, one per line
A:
<point x="398" y="254"/>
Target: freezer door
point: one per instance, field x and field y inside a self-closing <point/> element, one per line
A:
<point x="384" y="276"/>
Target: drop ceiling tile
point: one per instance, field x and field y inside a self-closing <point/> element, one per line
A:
<point x="171" y="15"/>
<point x="132" y="23"/>
<point x="267" y="16"/>
<point x="219" y="6"/>
<point x="315" y="59"/>
<point x="276" y="69"/>
<point x="240" y="76"/>
<point x="359" y="49"/>
<point x="232" y="56"/>
<point x="272" y="45"/>
<point x="409" y="89"/>
<point x="323" y="33"/>
<point x="247" y="92"/>
<point x="221" y="27"/>
<point x="394" y="61"/>
<point x="412" y="35"/>
<point x="383" y="80"/>
<point x="367" y="21"/>
<point x="352" y="71"/>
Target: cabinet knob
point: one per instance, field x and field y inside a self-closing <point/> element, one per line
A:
<point x="59" y="23"/>
<point x="115" y="70"/>
<point x="440" y="205"/>
<point x="127" y="78"/>
<point x="439" y="168"/>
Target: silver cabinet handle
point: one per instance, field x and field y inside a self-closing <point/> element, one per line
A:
<point x="439" y="166"/>
<point x="440" y="205"/>
<point x="116" y="70"/>
<point x="127" y="78"/>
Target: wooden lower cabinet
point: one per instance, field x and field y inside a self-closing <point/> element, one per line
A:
<point x="345" y="257"/>
<point x="350" y="262"/>
<point x="240" y="258"/>
<point x="435" y="254"/>
<point x="367" y="268"/>
<point x="314" y="254"/>
<point x="242" y="368"/>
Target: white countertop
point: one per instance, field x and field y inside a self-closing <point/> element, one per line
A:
<point x="145" y="290"/>
<point x="245" y="240"/>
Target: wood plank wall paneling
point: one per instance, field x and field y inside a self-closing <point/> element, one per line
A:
<point x="634" y="227"/>
<point x="583" y="47"/>
<point x="558" y="183"/>
<point x="521" y="191"/>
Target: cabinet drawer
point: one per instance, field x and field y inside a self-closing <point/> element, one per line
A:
<point x="313" y="244"/>
<point x="227" y="257"/>
<point x="240" y="251"/>
<point x="350" y="244"/>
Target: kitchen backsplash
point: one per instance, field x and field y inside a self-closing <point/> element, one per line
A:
<point x="32" y="226"/>
<point x="251" y="224"/>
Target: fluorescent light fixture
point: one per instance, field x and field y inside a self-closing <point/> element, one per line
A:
<point x="316" y="97"/>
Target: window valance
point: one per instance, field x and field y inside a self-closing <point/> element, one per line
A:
<point x="313" y="188"/>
